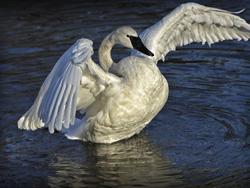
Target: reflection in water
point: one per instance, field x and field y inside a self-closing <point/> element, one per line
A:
<point x="131" y="162"/>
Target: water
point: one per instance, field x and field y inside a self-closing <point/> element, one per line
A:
<point x="201" y="138"/>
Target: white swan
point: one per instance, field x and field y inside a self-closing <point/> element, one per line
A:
<point x="120" y="99"/>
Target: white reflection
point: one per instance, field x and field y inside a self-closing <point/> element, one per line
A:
<point x="126" y="163"/>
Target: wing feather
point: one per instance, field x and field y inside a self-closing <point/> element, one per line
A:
<point x="56" y="103"/>
<point x="189" y="23"/>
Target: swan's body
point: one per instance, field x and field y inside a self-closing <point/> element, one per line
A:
<point x="120" y="99"/>
<point x="128" y="105"/>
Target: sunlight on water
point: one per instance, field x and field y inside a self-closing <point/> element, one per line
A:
<point x="200" y="138"/>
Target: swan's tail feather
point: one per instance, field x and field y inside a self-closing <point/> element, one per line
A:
<point x="76" y="131"/>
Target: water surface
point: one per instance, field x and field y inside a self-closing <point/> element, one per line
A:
<point x="200" y="138"/>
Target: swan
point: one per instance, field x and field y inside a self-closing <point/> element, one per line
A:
<point x="120" y="99"/>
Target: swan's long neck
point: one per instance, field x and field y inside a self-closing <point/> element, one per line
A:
<point x="104" y="52"/>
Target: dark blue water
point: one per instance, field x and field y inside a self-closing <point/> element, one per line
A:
<point x="201" y="138"/>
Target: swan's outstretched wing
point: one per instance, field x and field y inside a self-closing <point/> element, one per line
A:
<point x="56" y="102"/>
<point x="189" y="23"/>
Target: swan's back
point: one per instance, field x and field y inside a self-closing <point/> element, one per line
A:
<point x="131" y="104"/>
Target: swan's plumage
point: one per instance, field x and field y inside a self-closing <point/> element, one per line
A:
<point x="192" y="22"/>
<point x="58" y="97"/>
<point x="120" y="99"/>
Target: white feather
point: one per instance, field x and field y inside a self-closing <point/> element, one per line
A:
<point x="205" y="24"/>
<point x="56" y="103"/>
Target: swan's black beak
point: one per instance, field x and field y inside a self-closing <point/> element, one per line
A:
<point x="138" y="45"/>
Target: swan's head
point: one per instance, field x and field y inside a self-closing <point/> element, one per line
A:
<point x="128" y="37"/>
